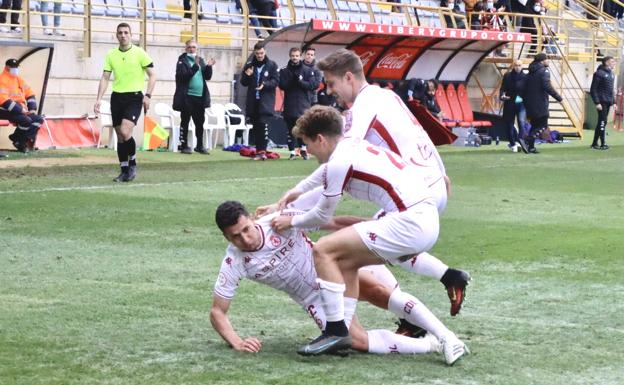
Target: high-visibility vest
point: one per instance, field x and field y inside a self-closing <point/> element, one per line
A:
<point x="14" y="88"/>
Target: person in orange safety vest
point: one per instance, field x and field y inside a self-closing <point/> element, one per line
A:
<point x="19" y="106"/>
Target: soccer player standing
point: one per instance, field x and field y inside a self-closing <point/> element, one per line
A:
<point x="128" y="63"/>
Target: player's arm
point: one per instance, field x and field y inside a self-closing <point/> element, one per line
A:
<point x="101" y="90"/>
<point x="343" y="221"/>
<point x="221" y="323"/>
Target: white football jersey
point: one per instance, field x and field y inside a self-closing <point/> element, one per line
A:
<point x="380" y="116"/>
<point x="374" y="174"/>
<point x="283" y="262"/>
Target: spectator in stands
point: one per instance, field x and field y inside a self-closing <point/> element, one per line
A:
<point x="191" y="96"/>
<point x="511" y="90"/>
<point x="266" y="8"/>
<point x="261" y="78"/>
<point x="252" y="20"/>
<point x="15" y="5"/>
<point x="297" y="81"/>
<point x="187" y="7"/>
<point x="476" y="14"/>
<point x="18" y="105"/>
<point x="602" y="94"/>
<point x="309" y="60"/>
<point x="57" y="18"/>
<point x="535" y="97"/>
<point x="533" y="8"/>
<point x="453" y="6"/>
<point x="129" y="64"/>
<point x="428" y="99"/>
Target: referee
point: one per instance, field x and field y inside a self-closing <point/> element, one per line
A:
<point x="128" y="63"/>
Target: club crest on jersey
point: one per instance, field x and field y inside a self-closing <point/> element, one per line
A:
<point x="275" y="240"/>
<point x="247" y="258"/>
<point x="372" y="236"/>
<point x="348" y="121"/>
<point x="228" y="260"/>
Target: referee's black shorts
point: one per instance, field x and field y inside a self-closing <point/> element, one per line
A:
<point x="126" y="105"/>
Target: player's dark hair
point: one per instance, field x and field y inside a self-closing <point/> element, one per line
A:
<point x="258" y="45"/>
<point x="606" y="59"/>
<point x="317" y="120"/>
<point x="341" y="62"/>
<point x="123" y="25"/>
<point x="228" y="214"/>
<point x="294" y="49"/>
<point x="308" y="48"/>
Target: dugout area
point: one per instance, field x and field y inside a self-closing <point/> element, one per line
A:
<point x="35" y="62"/>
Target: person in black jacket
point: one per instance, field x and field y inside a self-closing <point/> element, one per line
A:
<point x="412" y="89"/>
<point x="309" y="56"/>
<point x="510" y="91"/>
<point x="296" y="80"/>
<point x="260" y="77"/>
<point x="601" y="91"/>
<point x="535" y="98"/>
<point x="428" y="99"/>
<point x="191" y="96"/>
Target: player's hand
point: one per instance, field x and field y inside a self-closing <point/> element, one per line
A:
<point x="249" y="71"/>
<point x="96" y="106"/>
<point x="266" y="210"/>
<point x="599" y="107"/>
<point x="211" y="61"/>
<point x="146" y="104"/>
<point x="286" y="199"/>
<point x="249" y="345"/>
<point x="615" y="107"/>
<point x="410" y="98"/>
<point x="281" y="223"/>
<point x="447" y="183"/>
<point x="260" y="87"/>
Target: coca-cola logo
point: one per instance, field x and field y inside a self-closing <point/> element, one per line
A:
<point x="392" y="62"/>
<point x="366" y="57"/>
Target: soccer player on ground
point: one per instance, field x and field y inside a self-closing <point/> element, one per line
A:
<point x="410" y="225"/>
<point x="284" y="261"/>
<point x="380" y="117"/>
<point x="128" y="63"/>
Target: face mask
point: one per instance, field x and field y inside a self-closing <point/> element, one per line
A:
<point x="537" y="8"/>
<point x="14" y="71"/>
<point x="490" y="5"/>
<point x="451" y="5"/>
<point x="191" y="55"/>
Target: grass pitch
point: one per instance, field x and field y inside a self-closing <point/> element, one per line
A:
<point x="111" y="284"/>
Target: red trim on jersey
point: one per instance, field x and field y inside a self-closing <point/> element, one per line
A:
<point x="385" y="135"/>
<point x="347" y="177"/>
<point x="373" y="179"/>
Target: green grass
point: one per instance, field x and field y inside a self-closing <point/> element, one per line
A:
<point x="112" y="284"/>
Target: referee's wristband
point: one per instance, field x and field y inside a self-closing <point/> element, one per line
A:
<point x="148" y="95"/>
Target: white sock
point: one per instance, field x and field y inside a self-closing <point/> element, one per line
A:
<point x="385" y="342"/>
<point x="425" y="264"/>
<point x="304" y="148"/>
<point x="415" y="312"/>
<point x="349" y="309"/>
<point x="332" y="299"/>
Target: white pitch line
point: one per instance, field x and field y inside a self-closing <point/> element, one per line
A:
<point x="135" y="185"/>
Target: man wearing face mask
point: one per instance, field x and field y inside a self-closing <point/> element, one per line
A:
<point x="19" y="106"/>
<point x="453" y="6"/>
<point x="297" y="81"/>
<point x="191" y="96"/>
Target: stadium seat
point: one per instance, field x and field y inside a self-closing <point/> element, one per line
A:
<point x="321" y="4"/>
<point x="223" y="13"/>
<point x="284" y="16"/>
<point x="462" y="97"/>
<point x="106" y="121"/>
<point x="234" y="113"/>
<point x="235" y="14"/>
<point x="456" y="111"/>
<point x="298" y="3"/>
<point x="78" y="7"/>
<point x="98" y="7"/>
<point x="216" y="119"/>
<point x="209" y="9"/>
<point x="341" y="5"/>
<point x="309" y="4"/>
<point x="440" y="96"/>
<point x="113" y="8"/>
<point x="34" y="6"/>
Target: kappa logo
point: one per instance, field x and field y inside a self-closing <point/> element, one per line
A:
<point x="275" y="240"/>
<point x="222" y="279"/>
<point x="247" y="258"/>
<point x="372" y="236"/>
<point x="228" y="260"/>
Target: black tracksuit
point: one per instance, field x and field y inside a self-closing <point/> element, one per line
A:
<point x="297" y="81"/>
<point x="191" y="106"/>
<point x="601" y="91"/>
<point x="512" y="86"/>
<point x="260" y="104"/>
<point x="535" y="98"/>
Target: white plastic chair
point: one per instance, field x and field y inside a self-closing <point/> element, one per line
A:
<point x="106" y="120"/>
<point x="216" y="119"/>
<point x="234" y="111"/>
<point x="167" y="118"/>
